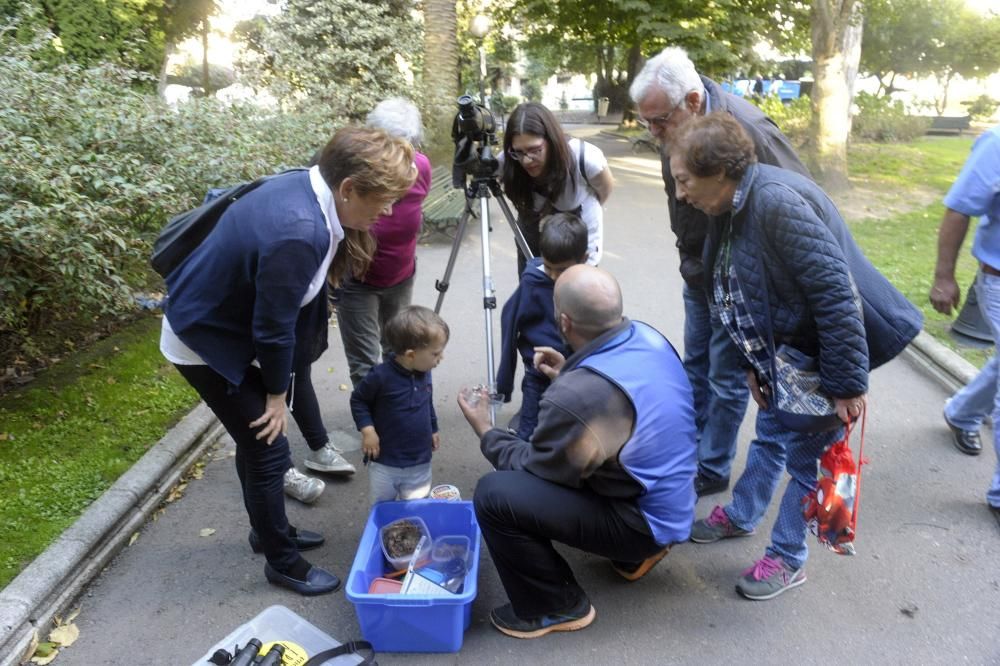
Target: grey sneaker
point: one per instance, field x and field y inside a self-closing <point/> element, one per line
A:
<point x="305" y="489"/>
<point x="716" y="526"/>
<point x="328" y="459"/>
<point x="769" y="577"/>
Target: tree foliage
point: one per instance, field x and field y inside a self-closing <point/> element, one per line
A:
<point x="900" y="37"/>
<point x="917" y="38"/>
<point x="340" y="54"/>
<point x="610" y="37"/>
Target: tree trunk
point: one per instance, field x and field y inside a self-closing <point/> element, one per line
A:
<point x="831" y="99"/>
<point x="161" y="81"/>
<point x="440" y="70"/>
<point x="205" y="80"/>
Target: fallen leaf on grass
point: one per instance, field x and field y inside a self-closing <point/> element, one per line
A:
<point x="4" y="436"/>
<point x="206" y="532"/>
<point x="65" y="635"/>
<point x="132" y="539"/>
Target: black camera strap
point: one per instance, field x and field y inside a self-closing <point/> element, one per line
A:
<point x="350" y="647"/>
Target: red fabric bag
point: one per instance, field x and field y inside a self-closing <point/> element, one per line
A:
<point x="831" y="509"/>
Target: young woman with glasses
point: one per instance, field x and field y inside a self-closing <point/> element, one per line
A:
<point x="544" y="172"/>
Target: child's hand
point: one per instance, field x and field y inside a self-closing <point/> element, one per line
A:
<point x="369" y="442"/>
<point x="435" y="442"/>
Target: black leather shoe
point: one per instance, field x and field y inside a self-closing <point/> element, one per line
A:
<point x="317" y="581"/>
<point x="966" y="441"/>
<point x="703" y="485"/>
<point x="303" y="540"/>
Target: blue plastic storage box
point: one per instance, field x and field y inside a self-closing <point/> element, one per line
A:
<point x="409" y="622"/>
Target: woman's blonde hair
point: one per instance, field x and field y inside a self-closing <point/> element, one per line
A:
<point x="377" y="163"/>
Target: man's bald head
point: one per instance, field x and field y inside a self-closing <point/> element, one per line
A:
<point x="591" y="298"/>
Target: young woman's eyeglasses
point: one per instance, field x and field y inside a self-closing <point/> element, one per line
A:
<point x="534" y="154"/>
<point x="659" y="121"/>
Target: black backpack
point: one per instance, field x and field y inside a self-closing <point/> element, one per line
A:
<point x="185" y="231"/>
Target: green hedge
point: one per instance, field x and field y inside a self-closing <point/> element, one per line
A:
<point x="91" y="165"/>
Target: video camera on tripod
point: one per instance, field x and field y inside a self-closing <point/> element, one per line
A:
<point x="474" y="134"/>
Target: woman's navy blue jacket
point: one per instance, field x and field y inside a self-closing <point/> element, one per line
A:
<point x="786" y="221"/>
<point x="237" y="297"/>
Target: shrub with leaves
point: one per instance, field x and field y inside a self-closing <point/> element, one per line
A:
<point x="342" y="54"/>
<point x="793" y="118"/>
<point x="91" y="166"/>
<point x="883" y="120"/>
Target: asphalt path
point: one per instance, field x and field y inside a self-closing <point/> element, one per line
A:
<point x="924" y="587"/>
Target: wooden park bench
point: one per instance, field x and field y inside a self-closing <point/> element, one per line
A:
<point x="444" y="204"/>
<point x="949" y="124"/>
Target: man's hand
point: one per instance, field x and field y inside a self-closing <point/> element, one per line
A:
<point x="548" y="361"/>
<point x="370" y="442"/>
<point x="274" y="419"/>
<point x="849" y="409"/>
<point x="758" y="392"/>
<point x="478" y="415"/>
<point x="945" y="294"/>
<point x="435" y="442"/>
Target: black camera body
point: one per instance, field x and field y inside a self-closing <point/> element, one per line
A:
<point x="474" y="134"/>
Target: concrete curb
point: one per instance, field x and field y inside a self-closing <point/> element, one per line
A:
<point x="58" y="575"/>
<point x="940" y="362"/>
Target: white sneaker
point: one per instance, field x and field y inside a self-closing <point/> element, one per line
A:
<point x="328" y="459"/>
<point x="305" y="489"/>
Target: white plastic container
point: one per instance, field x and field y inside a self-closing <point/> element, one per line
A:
<point x="277" y="623"/>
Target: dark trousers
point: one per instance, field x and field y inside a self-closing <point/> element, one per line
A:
<point x="520" y="516"/>
<point x="532" y="387"/>
<point x="261" y="467"/>
<point x="305" y="409"/>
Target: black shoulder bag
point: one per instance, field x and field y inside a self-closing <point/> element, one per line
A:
<point x="185" y="232"/>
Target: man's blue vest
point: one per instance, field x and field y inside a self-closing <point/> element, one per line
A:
<point x="661" y="454"/>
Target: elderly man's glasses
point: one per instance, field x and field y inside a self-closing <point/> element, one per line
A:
<point x="534" y="153"/>
<point x="659" y="121"/>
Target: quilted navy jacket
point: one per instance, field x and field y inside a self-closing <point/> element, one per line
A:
<point x="810" y="259"/>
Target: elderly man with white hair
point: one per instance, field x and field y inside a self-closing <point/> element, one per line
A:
<point x="668" y="92"/>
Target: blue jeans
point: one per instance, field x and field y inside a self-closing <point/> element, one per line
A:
<point x="773" y="451"/>
<point x="988" y="291"/>
<point x="387" y="483"/>
<point x="714" y="367"/>
<point x="362" y="312"/>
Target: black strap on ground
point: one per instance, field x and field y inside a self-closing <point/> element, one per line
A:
<point x="349" y="647"/>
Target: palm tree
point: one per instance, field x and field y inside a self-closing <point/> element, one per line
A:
<point x="440" y="68"/>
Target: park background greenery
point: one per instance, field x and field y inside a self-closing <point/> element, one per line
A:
<point x="92" y="161"/>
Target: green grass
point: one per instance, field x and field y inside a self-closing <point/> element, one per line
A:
<point x="69" y="435"/>
<point x="904" y="246"/>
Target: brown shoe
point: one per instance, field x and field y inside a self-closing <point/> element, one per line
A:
<point x="633" y="572"/>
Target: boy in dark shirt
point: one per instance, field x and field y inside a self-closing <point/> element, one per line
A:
<point x="393" y="407"/>
<point x="528" y="318"/>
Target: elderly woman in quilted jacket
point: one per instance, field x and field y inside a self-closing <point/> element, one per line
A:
<point x="782" y="260"/>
